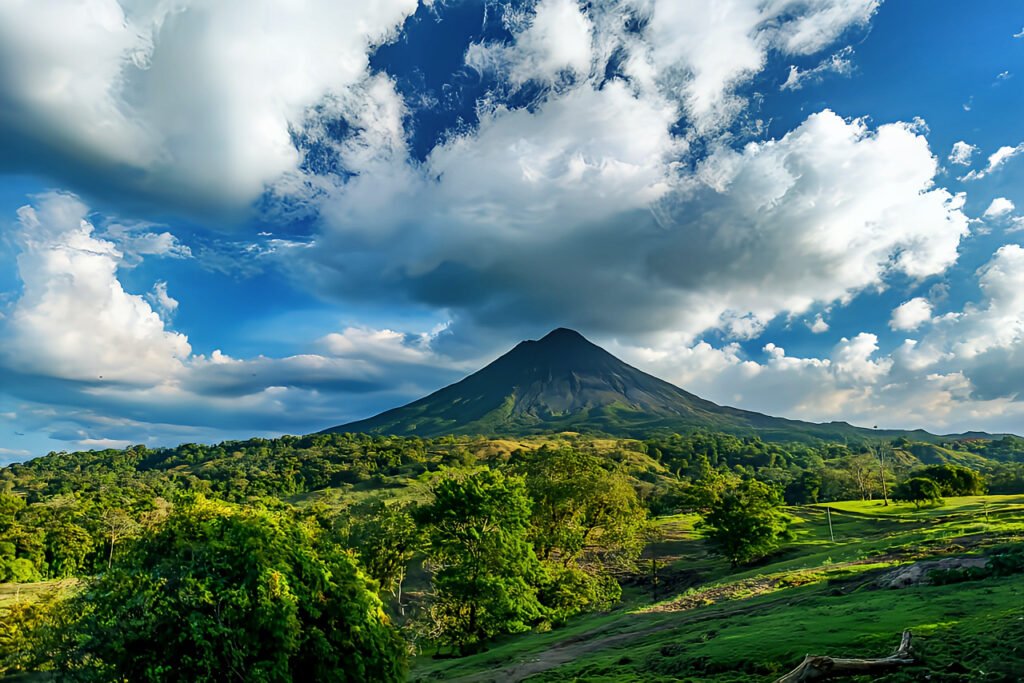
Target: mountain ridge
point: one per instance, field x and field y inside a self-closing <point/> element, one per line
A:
<point x="564" y="382"/>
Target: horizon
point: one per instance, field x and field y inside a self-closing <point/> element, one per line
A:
<point x="561" y="332"/>
<point x="247" y="221"/>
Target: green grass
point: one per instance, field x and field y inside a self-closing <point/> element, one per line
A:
<point x="814" y="595"/>
<point x="15" y="592"/>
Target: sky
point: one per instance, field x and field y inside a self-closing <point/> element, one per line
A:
<point x="250" y="218"/>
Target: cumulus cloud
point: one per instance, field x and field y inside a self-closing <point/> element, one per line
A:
<point x="961" y="153"/>
<point x="911" y="314"/>
<point x="963" y="374"/>
<point x="78" y="340"/>
<point x="999" y="207"/>
<point x="161" y="301"/>
<point x="555" y="41"/>
<point x="818" y="325"/>
<point x="577" y="214"/>
<point x="186" y="102"/>
<point x="74" y="320"/>
<point x="682" y="51"/>
<point x="668" y="49"/>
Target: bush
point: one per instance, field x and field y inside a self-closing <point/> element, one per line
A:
<point x="219" y="592"/>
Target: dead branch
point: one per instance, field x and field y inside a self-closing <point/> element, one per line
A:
<point x="819" y="667"/>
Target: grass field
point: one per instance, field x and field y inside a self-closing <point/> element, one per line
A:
<point x="712" y="623"/>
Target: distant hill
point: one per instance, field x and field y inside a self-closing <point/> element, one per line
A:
<point x="563" y="382"/>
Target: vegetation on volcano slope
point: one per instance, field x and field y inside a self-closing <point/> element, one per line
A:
<point x="557" y="523"/>
<point x="815" y="595"/>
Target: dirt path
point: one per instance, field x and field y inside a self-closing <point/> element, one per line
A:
<point x="560" y="653"/>
<point x="573" y="648"/>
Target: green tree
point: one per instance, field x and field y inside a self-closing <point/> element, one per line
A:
<point x="68" y="546"/>
<point x="743" y="523"/>
<point x="15" y="569"/>
<point x="385" y="537"/>
<point x="222" y="593"/>
<point x="582" y="512"/>
<point x="804" y="490"/>
<point x="587" y="522"/>
<point x="919" y="491"/>
<point x="485" y="569"/>
<point x="954" y="480"/>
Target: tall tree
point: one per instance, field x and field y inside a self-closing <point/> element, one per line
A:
<point x="919" y="491"/>
<point x="485" y="569"/>
<point x="583" y="513"/>
<point x="744" y="523"/>
<point x="385" y="537"/>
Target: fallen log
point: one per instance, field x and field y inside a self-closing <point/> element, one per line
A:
<point x="819" y="667"/>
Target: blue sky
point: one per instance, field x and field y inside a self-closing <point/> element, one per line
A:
<point x="245" y="219"/>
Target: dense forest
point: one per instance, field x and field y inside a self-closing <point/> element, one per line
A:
<point x="422" y="545"/>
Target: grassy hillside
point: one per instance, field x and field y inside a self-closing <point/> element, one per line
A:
<point x="814" y="596"/>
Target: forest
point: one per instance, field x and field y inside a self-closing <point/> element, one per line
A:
<point x="354" y="555"/>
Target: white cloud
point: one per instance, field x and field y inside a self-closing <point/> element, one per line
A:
<point x="964" y="374"/>
<point x="138" y="240"/>
<point x="684" y="45"/>
<point x="995" y="161"/>
<point x="576" y="214"/>
<point x="74" y="320"/>
<point x="999" y="207"/>
<point x="105" y="358"/>
<point x="556" y="39"/>
<point x="961" y="153"/>
<point x="999" y="322"/>
<point x="163" y="302"/>
<point x="677" y="52"/>
<point x="839" y="63"/>
<point x="819" y="326"/>
<point x="911" y="314"/>
<point x="168" y="100"/>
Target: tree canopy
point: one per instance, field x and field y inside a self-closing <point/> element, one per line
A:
<point x="222" y="593"/>
<point x="743" y="523"/>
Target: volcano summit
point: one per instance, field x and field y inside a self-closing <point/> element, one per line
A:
<point x="563" y="382"/>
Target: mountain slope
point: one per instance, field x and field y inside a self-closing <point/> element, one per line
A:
<point x="564" y="382"/>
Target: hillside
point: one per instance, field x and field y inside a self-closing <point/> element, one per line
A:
<point x="704" y="621"/>
<point x="563" y="382"/>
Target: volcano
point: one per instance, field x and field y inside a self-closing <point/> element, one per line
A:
<point x="563" y="382"/>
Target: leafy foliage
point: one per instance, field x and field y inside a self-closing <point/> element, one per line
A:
<point x="919" y="491"/>
<point x="486" y="570"/>
<point x="220" y="592"/>
<point x="954" y="480"/>
<point x="744" y="524"/>
<point x="385" y="537"/>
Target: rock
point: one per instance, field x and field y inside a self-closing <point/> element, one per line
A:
<point x="916" y="573"/>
